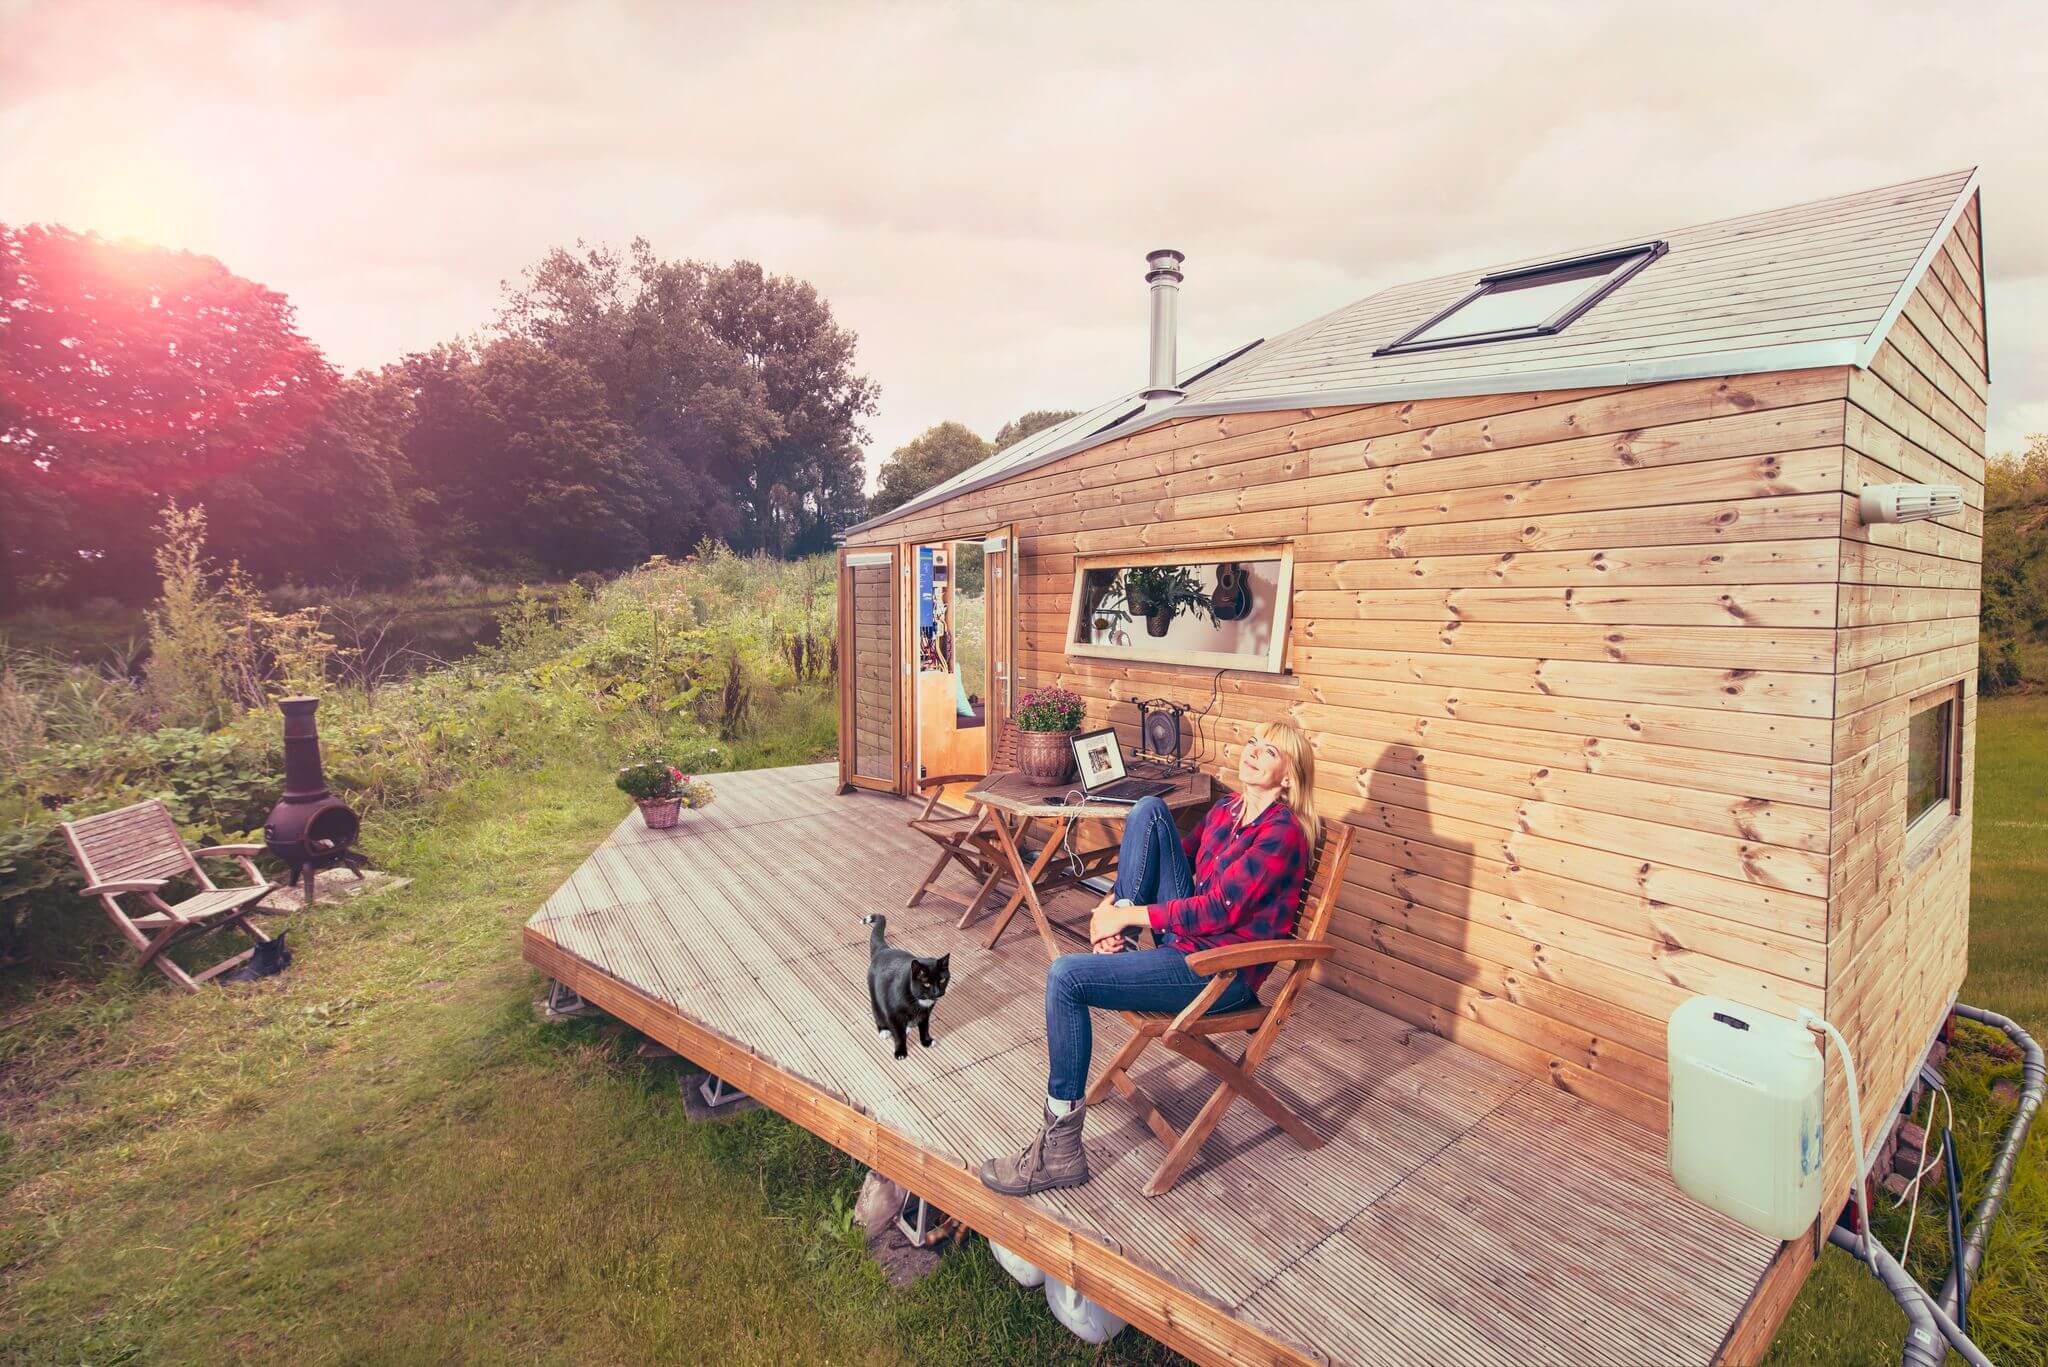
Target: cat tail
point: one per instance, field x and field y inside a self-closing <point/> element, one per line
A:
<point x="878" y="926"/>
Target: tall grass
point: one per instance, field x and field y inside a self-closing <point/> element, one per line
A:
<point x="704" y="658"/>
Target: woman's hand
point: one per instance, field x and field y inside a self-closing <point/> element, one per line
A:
<point x="1109" y="921"/>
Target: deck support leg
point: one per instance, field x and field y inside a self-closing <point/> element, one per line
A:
<point x="716" y="1091"/>
<point x="563" y="1003"/>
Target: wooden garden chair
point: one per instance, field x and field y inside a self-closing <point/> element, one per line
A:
<point x="965" y="838"/>
<point x="133" y="852"/>
<point x="1188" y="1033"/>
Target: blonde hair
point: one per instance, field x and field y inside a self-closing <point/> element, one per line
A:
<point x="1299" y="785"/>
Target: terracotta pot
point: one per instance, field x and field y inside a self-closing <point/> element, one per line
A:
<point x="1046" y="756"/>
<point x="660" y="813"/>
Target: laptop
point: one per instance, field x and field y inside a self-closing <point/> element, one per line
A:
<point x="1099" y="757"/>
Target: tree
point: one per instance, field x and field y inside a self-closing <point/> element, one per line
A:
<point x="342" y="505"/>
<point x="2014" y="607"/>
<point x="128" y="375"/>
<point x="936" y="454"/>
<point x="738" y="386"/>
<point x="1037" y="420"/>
<point x="525" y="465"/>
<point x="806" y="483"/>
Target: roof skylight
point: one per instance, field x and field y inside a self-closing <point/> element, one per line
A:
<point x="1532" y="301"/>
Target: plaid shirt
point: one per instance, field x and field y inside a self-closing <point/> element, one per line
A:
<point x="1248" y="883"/>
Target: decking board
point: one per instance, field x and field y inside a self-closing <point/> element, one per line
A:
<point x="1462" y="1212"/>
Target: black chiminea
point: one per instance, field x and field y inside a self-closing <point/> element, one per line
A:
<point x="309" y="829"/>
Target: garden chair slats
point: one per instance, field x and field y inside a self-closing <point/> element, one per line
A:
<point x="967" y="838"/>
<point x="131" y="853"/>
<point x="1188" y="1033"/>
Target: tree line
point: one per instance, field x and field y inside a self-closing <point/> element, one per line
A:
<point x="944" y="450"/>
<point x="620" y="405"/>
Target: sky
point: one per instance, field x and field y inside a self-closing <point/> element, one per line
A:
<point x="974" y="186"/>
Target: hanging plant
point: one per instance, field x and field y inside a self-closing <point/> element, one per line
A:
<point x="1160" y="593"/>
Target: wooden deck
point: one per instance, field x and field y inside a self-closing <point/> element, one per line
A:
<point x="1463" y="1212"/>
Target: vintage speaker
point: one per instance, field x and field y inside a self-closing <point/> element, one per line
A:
<point x="1159" y="731"/>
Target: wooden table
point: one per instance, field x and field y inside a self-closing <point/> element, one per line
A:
<point x="1012" y="803"/>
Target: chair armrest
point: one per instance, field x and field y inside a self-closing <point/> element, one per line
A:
<point x="116" y="889"/>
<point x="241" y="855"/>
<point x="941" y="780"/>
<point x="1227" y="958"/>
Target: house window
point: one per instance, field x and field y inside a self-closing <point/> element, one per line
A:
<point x="1533" y="301"/>
<point x="1931" y="760"/>
<point x="1221" y="607"/>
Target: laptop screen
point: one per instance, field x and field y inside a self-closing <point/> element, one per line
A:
<point x="1099" y="758"/>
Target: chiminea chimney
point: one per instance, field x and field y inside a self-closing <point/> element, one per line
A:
<point x="304" y="780"/>
<point x="1162" y="273"/>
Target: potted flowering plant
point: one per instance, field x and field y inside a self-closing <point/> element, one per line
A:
<point x="662" y="791"/>
<point x="1047" y="721"/>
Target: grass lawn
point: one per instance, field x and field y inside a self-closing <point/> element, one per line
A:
<point x="381" y="1156"/>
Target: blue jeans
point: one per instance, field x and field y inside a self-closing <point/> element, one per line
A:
<point x="1152" y="867"/>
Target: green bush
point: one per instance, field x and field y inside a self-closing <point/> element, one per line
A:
<point x="709" y="661"/>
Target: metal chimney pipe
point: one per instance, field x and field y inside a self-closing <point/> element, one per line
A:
<point x="1163" y="274"/>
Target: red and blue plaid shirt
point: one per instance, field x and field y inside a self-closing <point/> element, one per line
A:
<point x="1248" y="883"/>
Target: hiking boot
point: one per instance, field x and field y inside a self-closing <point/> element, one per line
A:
<point x="1054" y="1158"/>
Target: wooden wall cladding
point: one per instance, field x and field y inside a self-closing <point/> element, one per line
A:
<point x="1898" y="913"/>
<point x="1608" y="681"/>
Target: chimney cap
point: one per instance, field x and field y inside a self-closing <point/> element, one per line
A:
<point x="1165" y="263"/>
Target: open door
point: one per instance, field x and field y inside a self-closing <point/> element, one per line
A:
<point x="961" y="608"/>
<point x="999" y="558"/>
<point x="870" y="723"/>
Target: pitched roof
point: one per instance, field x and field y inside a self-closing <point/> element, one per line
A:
<point x="1817" y="284"/>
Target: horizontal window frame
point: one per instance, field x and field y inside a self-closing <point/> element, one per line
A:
<point x="1275" y="661"/>
<point x="1557" y="322"/>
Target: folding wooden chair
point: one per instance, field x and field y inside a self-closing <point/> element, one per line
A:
<point x="1187" y="1034"/>
<point x="964" y="838"/>
<point x="134" y="852"/>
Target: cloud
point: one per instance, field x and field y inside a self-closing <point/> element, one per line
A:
<point x="974" y="186"/>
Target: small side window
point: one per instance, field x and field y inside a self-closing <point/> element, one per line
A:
<point x="1931" y="760"/>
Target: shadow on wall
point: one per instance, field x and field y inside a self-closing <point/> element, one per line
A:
<point x="1411" y="885"/>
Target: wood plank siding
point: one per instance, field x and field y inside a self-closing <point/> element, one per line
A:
<point x="1612" y="683"/>
<point x="1599" y="660"/>
<point x="1898" y="911"/>
<point x="1568" y="660"/>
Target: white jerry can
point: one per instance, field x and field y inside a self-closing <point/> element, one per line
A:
<point x="1746" y="1114"/>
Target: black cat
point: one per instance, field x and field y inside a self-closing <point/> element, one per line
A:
<point x="902" y="988"/>
<point x="266" y="959"/>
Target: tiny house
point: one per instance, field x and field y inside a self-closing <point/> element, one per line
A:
<point x="1564" y="565"/>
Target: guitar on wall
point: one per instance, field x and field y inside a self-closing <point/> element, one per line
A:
<point x="1232" y="600"/>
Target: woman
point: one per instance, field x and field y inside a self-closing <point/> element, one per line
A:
<point x="1239" y="877"/>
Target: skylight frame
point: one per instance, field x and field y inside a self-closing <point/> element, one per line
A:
<point x="1564" y="317"/>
